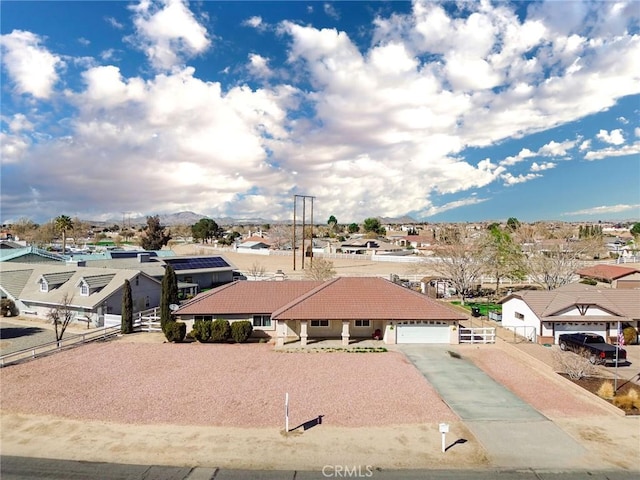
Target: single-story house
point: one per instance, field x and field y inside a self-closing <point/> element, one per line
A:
<point x="345" y="308"/>
<point x="543" y="315"/>
<point x="614" y="275"/>
<point x="89" y="293"/>
<point x="368" y="246"/>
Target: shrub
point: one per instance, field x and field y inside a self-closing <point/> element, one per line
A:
<point x="589" y="281"/>
<point x="201" y="330"/>
<point x="630" y="336"/>
<point x="175" y="331"/>
<point x="220" y="330"/>
<point x="241" y="331"/>
<point x="574" y="366"/>
<point x="627" y="402"/>
<point x="8" y="308"/>
<point x="606" y="390"/>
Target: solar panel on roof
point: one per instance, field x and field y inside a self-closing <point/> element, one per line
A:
<point x="196" y="263"/>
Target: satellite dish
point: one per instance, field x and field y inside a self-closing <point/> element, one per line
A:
<point x="173" y="307"/>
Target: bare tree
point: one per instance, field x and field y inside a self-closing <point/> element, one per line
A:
<point x="256" y="270"/>
<point x="460" y="262"/>
<point x="320" y="269"/>
<point x="61" y="316"/>
<point x="553" y="266"/>
<point x="281" y="235"/>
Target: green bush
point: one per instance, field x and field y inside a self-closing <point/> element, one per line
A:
<point x="241" y="331"/>
<point x="589" y="281"/>
<point x="201" y="330"/>
<point x="220" y="330"/>
<point x="175" y="331"/>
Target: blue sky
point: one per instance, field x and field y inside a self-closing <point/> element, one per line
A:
<point x="442" y="111"/>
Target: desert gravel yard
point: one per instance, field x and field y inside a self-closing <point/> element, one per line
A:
<point x="549" y="397"/>
<point x="221" y="385"/>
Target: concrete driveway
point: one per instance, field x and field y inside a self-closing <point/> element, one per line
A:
<point x="513" y="433"/>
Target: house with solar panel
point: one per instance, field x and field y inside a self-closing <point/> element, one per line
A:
<point x="89" y="293"/>
<point x="194" y="273"/>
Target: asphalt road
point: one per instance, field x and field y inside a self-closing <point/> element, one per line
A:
<point x="22" y="468"/>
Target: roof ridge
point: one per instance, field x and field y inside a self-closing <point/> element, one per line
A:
<point x="304" y="296"/>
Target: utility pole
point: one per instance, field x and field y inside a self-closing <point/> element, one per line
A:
<point x="304" y="217"/>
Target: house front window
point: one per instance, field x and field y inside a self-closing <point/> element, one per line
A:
<point x="203" y="317"/>
<point x="319" y="323"/>
<point x="363" y="323"/>
<point x="44" y="287"/>
<point x="84" y="290"/>
<point x="519" y="316"/>
<point x="261" y="320"/>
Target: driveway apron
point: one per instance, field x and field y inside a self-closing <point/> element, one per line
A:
<point x="511" y="431"/>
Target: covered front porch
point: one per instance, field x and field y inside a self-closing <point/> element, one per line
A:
<point x="344" y="332"/>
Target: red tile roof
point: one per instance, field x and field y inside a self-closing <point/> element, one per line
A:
<point x="246" y="297"/>
<point x="343" y="298"/>
<point x="606" y="272"/>
<point x="349" y="298"/>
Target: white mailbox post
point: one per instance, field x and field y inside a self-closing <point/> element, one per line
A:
<point x="444" y="429"/>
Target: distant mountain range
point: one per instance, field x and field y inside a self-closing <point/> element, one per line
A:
<point x="191" y="218"/>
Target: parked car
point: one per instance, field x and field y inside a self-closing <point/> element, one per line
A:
<point x="593" y="347"/>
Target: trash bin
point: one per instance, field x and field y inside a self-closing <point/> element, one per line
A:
<point x="475" y="312"/>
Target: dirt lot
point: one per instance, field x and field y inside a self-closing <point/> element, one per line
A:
<point x="220" y="405"/>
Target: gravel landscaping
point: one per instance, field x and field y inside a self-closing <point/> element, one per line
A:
<point x="540" y="392"/>
<point x="221" y="385"/>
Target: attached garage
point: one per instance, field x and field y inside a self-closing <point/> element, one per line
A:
<point x="426" y="331"/>
<point x="572" y="327"/>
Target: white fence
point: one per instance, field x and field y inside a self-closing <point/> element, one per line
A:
<point x="144" y="321"/>
<point x="66" y="342"/>
<point x="478" y="335"/>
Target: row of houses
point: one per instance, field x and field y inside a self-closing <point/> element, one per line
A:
<point x="345" y="308"/>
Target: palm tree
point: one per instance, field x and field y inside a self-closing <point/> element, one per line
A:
<point x="63" y="223"/>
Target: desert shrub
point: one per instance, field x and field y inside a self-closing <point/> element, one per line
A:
<point x="606" y="390"/>
<point x="220" y="330"/>
<point x="574" y="366"/>
<point x="175" y="331"/>
<point x="633" y="394"/>
<point x="201" y="330"/>
<point x="589" y="281"/>
<point x="8" y="308"/>
<point x="630" y="336"/>
<point x="627" y="402"/>
<point x="241" y="331"/>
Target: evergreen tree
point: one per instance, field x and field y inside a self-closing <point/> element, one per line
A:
<point x="154" y="237"/>
<point x="169" y="295"/>
<point x="127" y="309"/>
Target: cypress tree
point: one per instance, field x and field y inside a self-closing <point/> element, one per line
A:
<point x="127" y="309"/>
<point x="169" y="295"/>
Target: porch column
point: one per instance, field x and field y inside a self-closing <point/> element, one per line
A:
<point x="303" y="333"/>
<point x="345" y="333"/>
<point x="281" y="333"/>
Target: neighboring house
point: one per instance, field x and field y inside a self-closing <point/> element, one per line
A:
<point x="344" y="308"/>
<point x="368" y="246"/>
<point x="253" y="244"/>
<point x="28" y="255"/>
<point x="200" y="273"/>
<point x="194" y="273"/>
<point x="613" y="275"/>
<point x="543" y="315"/>
<point x="90" y="293"/>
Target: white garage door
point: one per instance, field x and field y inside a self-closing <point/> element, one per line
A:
<point x="423" y="332"/>
<point x="569" y="327"/>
